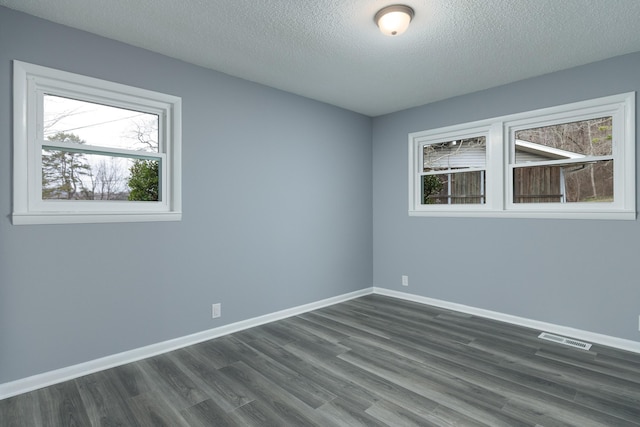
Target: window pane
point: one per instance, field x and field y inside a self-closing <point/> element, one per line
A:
<point x="576" y="182"/>
<point x="574" y="140"/>
<point x="68" y="175"/>
<point x="460" y="154"/>
<point x="454" y="188"/>
<point x="96" y="124"/>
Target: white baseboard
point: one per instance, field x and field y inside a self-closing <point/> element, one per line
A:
<point x="45" y="379"/>
<point x="592" y="337"/>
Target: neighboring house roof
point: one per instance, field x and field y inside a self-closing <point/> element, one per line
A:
<point x="546" y="152"/>
<point x="454" y="156"/>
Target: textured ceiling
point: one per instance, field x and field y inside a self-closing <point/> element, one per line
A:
<point x="331" y="50"/>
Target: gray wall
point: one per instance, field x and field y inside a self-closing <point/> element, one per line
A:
<point x="276" y="202"/>
<point x="576" y="273"/>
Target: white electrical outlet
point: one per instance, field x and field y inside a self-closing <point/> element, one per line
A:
<point x="405" y="280"/>
<point x="215" y="310"/>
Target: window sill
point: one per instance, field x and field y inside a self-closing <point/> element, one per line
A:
<point x="92" y="218"/>
<point x="618" y="215"/>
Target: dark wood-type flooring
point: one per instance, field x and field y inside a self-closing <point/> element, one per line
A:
<point x="372" y="361"/>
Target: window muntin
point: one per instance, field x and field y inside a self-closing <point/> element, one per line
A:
<point x="88" y="150"/>
<point x="454" y="172"/>
<point x="570" y="161"/>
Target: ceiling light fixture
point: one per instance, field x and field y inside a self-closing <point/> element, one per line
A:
<point x="394" y="20"/>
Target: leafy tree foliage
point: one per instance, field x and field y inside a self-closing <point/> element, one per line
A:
<point x="431" y="186"/>
<point x="143" y="181"/>
<point x="62" y="171"/>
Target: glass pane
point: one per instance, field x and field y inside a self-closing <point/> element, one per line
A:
<point x="82" y="122"/>
<point x="68" y="175"/>
<point x="576" y="182"/>
<point x="459" y="154"/>
<point x="574" y="140"/>
<point x="454" y="188"/>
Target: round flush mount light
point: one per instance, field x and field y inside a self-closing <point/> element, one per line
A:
<point x="394" y="20"/>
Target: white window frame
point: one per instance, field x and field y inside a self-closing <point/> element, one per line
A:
<point x="500" y="137"/>
<point x="460" y="132"/>
<point x="30" y="83"/>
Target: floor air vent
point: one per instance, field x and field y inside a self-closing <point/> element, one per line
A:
<point x="565" y="341"/>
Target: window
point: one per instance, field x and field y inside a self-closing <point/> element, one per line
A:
<point x="571" y="161"/>
<point x="454" y="172"/>
<point x="87" y="150"/>
<point x="564" y="163"/>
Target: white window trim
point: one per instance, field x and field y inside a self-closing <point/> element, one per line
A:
<point x="29" y="83"/>
<point x="499" y="172"/>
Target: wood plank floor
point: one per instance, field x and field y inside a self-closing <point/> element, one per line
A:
<point x="372" y="361"/>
